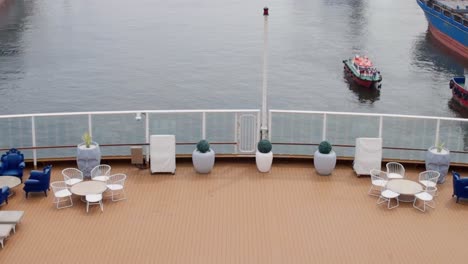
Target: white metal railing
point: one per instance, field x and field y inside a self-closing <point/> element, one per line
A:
<point x="19" y="131"/>
<point x="455" y="130"/>
<point x="292" y="132"/>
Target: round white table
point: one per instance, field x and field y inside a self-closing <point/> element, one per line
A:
<point x="10" y="181"/>
<point x="88" y="187"/>
<point x="406" y="188"/>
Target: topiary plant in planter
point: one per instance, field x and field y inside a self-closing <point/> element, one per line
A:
<point x="324" y="158"/>
<point x="203" y="157"/>
<point x="264" y="155"/>
<point x="88" y="155"/>
<point x="438" y="159"/>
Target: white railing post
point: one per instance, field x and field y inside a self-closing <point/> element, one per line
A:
<point x="33" y="133"/>
<point x="236" y="132"/>
<point x="264" y="126"/>
<point x="380" y="126"/>
<point x="437" y="133"/>
<point x="324" y="129"/>
<point x="90" y="125"/>
<point x="269" y="125"/>
<point x="259" y="135"/>
<point x="204" y="125"/>
<point x="147" y="136"/>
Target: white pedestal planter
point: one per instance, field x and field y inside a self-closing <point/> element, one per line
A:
<point x="264" y="161"/>
<point x="324" y="163"/>
<point x="88" y="158"/>
<point x="438" y="161"/>
<point x="203" y="162"/>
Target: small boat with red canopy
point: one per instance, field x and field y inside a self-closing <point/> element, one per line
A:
<point x="459" y="90"/>
<point x="363" y="72"/>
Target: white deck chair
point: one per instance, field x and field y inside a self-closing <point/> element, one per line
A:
<point x="429" y="178"/>
<point x="427" y="197"/>
<point x="115" y="186"/>
<point x="368" y="155"/>
<point x="94" y="199"/>
<point x="162" y="153"/>
<point x="395" y="170"/>
<point x="72" y="176"/>
<point x="62" y="194"/>
<point x="387" y="196"/>
<point x="101" y="173"/>
<point x="379" y="180"/>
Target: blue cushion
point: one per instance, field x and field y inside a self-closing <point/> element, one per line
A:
<point x="5" y="189"/>
<point x="31" y="181"/>
<point x="463" y="181"/>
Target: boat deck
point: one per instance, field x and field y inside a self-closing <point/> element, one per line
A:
<point x="238" y="215"/>
<point x="454" y="4"/>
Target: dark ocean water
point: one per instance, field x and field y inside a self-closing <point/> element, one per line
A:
<point x="151" y="54"/>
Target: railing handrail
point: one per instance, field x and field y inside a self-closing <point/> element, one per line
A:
<point x="231" y="111"/>
<point x="369" y="114"/>
<point x="133" y="112"/>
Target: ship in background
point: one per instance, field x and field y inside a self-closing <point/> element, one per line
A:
<point x="448" y="23"/>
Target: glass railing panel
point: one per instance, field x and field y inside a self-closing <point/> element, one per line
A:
<point x="296" y="128"/>
<point x="16" y="133"/>
<point x="118" y="129"/>
<point x="59" y="131"/>
<point x="398" y="132"/>
<point x="454" y="136"/>
<point x="221" y="127"/>
<point x="344" y="129"/>
<point x="185" y="126"/>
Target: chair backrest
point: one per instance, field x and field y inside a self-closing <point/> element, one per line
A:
<point x="11" y="159"/>
<point x="460" y="185"/>
<point x="58" y="186"/>
<point x="455" y="178"/>
<point x="46" y="179"/>
<point x="378" y="175"/>
<point x="395" y="167"/>
<point x="72" y="173"/>
<point x="429" y="175"/>
<point x="101" y="170"/>
<point x="118" y="178"/>
<point x="431" y="190"/>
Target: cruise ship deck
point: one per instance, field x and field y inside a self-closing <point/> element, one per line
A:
<point x="236" y="214"/>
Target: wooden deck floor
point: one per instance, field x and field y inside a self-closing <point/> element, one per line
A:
<point x="238" y="215"/>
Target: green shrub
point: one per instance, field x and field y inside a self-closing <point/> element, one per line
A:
<point x="439" y="147"/>
<point x="87" y="139"/>
<point x="325" y="147"/>
<point x="203" y="146"/>
<point x="264" y="146"/>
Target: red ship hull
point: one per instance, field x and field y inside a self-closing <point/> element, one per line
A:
<point x="450" y="43"/>
<point x="459" y="93"/>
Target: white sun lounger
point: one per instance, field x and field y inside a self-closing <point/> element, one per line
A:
<point x="368" y="155"/>
<point x="5" y="231"/>
<point x="162" y="153"/>
<point x="11" y="217"/>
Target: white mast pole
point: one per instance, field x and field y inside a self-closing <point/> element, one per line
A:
<point x="264" y="125"/>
